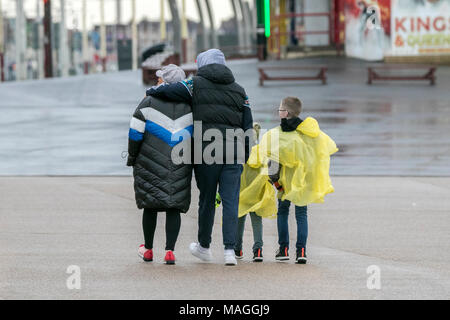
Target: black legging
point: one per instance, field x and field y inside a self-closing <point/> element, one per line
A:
<point x="173" y="223"/>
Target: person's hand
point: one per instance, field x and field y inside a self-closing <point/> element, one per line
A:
<point x="218" y="200"/>
<point x="131" y="161"/>
<point x="277" y="185"/>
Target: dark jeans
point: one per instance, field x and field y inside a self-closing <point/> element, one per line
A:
<point x="257" y="227"/>
<point x="283" y="227"/>
<point x="173" y="224"/>
<point x="228" y="178"/>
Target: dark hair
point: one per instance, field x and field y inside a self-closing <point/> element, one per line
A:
<point x="293" y="105"/>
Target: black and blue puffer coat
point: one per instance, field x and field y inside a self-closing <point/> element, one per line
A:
<point x="160" y="130"/>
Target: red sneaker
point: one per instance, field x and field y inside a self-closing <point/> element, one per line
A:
<point x="170" y="257"/>
<point x="145" y="254"/>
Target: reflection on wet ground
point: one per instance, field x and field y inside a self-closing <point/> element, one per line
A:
<point x="388" y="129"/>
<point x="79" y="126"/>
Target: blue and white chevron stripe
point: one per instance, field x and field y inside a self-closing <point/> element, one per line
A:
<point x="158" y="124"/>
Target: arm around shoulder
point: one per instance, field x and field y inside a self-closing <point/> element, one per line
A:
<point x="177" y="92"/>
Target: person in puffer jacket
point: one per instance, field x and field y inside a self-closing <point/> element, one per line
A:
<point x="157" y="128"/>
<point x="221" y="106"/>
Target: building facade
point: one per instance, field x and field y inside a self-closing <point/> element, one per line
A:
<point x="373" y="30"/>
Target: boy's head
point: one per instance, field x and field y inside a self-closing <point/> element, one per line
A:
<point x="290" y="107"/>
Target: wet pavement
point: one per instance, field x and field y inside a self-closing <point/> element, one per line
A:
<point x="79" y="125"/>
<point x="93" y="223"/>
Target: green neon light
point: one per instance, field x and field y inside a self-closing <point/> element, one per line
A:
<point x="267" y="17"/>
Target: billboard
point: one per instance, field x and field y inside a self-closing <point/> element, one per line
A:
<point x="367" y="28"/>
<point x="420" y="27"/>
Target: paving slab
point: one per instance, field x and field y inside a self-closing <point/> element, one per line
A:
<point x="397" y="224"/>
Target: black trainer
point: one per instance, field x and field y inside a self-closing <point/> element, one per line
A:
<point x="301" y="256"/>
<point x="257" y="255"/>
<point x="282" y="254"/>
<point x="238" y="254"/>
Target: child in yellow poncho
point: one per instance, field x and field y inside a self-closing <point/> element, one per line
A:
<point x="252" y="176"/>
<point x="295" y="158"/>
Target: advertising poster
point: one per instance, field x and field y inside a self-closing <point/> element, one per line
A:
<point x="420" y="27"/>
<point x="368" y="26"/>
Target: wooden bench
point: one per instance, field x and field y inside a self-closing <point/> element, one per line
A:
<point x="321" y="75"/>
<point x="374" y="73"/>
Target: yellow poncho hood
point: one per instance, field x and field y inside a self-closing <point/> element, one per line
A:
<point x="304" y="156"/>
<point x="310" y="127"/>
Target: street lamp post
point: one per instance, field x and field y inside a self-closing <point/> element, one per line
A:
<point x="238" y="25"/>
<point x="263" y="28"/>
<point x="205" y="42"/>
<point x="214" y="39"/>
<point x="48" y="59"/>
<point x="63" y="42"/>
<point x="176" y="26"/>
<point x="39" y="45"/>
<point x="246" y="25"/>
<point x="117" y="29"/>
<point x="103" y="52"/>
<point x="134" y="35"/>
<point x="162" y="25"/>
<point x="2" y="74"/>
<point x="20" y="34"/>
<point x="184" y="30"/>
<point x="85" y="42"/>
<point x="119" y="11"/>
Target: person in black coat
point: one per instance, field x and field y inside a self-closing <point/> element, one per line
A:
<point x="220" y="106"/>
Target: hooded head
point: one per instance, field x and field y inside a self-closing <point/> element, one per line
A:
<point x="212" y="66"/>
<point x="212" y="56"/>
<point x="171" y="74"/>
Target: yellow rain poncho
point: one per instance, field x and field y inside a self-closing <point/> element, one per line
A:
<point x="304" y="156"/>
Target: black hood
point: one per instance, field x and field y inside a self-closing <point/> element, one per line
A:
<point x="217" y="73"/>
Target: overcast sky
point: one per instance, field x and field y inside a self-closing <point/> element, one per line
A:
<point x="145" y="8"/>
